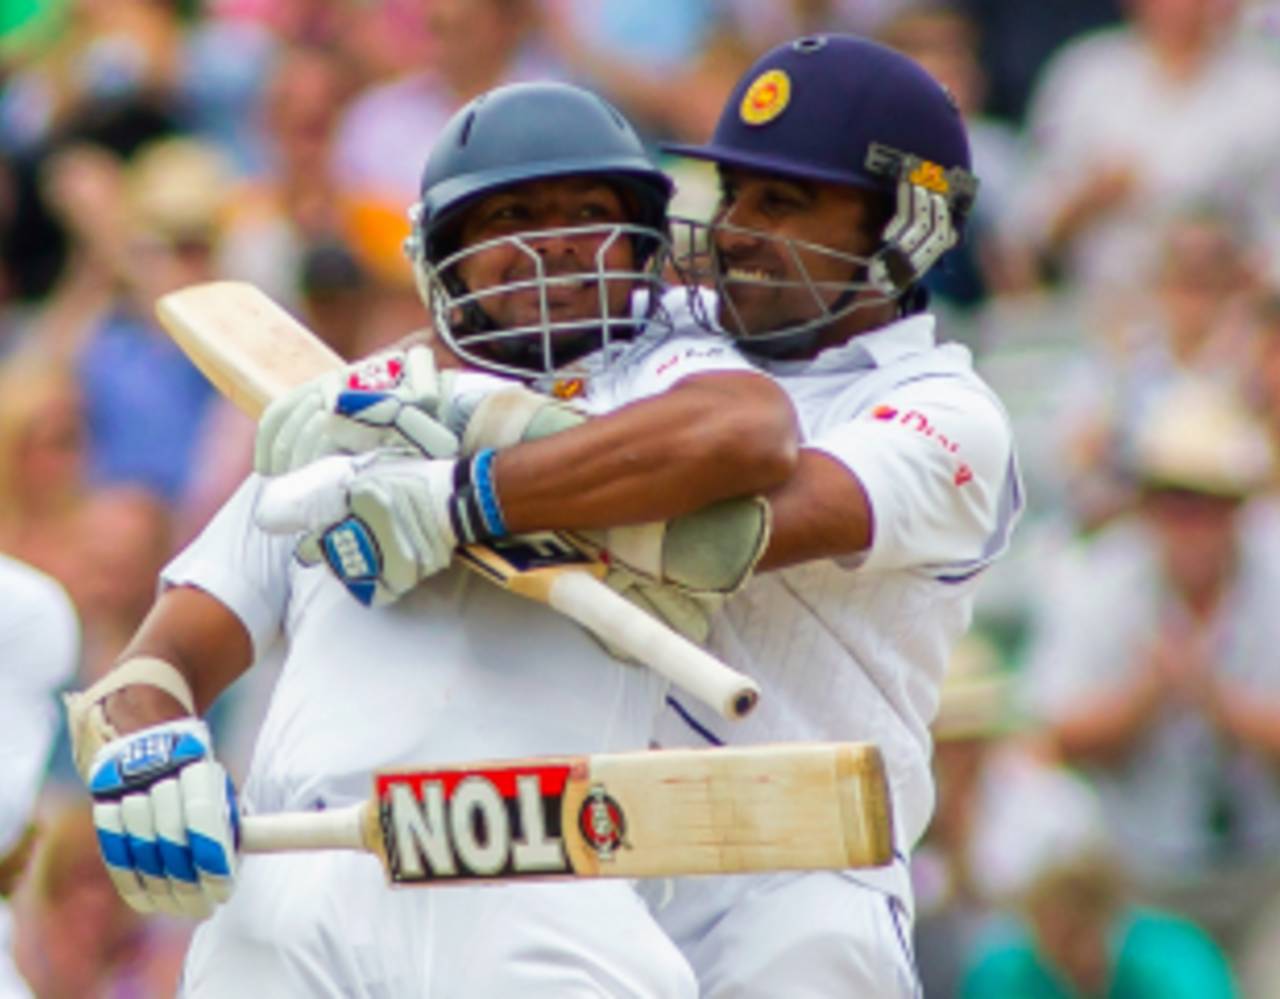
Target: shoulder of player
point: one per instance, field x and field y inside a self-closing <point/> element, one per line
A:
<point x="29" y="592"/>
<point x="38" y="624"/>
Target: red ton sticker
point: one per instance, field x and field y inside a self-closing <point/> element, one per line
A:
<point x="915" y="420"/>
<point x="377" y="375"/>
<point x="457" y="825"/>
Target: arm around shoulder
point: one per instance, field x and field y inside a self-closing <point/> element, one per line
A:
<point x="713" y="436"/>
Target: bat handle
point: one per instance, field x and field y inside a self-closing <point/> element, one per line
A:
<point x="599" y="609"/>
<point x="343" y="828"/>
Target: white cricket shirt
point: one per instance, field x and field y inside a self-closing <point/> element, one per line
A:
<point x="856" y="649"/>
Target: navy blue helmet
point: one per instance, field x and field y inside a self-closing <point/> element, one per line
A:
<point x="509" y="136"/>
<point x="842" y="109"/>
<point x="819" y="109"/>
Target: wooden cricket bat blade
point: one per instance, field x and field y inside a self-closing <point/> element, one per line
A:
<point x="244" y="342"/>
<point x="794" y="806"/>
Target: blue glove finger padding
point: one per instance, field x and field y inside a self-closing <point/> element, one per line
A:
<point x="166" y="818"/>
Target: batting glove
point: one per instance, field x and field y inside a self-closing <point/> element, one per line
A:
<point x="165" y="813"/>
<point x="383" y="522"/>
<point x="684" y="612"/>
<point x="707" y="553"/>
<point x="391" y="400"/>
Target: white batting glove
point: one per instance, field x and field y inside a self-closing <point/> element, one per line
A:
<point x="382" y="522"/>
<point x="390" y="400"/>
<point x="165" y="813"/>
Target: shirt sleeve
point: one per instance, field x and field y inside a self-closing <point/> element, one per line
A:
<point x="40" y="636"/>
<point x="935" y="458"/>
<point x="240" y="566"/>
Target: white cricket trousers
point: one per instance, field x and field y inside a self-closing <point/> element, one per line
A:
<point x="816" y="935"/>
<point x="328" y="924"/>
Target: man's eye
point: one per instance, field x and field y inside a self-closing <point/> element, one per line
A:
<point x="779" y="201"/>
<point x="508" y="213"/>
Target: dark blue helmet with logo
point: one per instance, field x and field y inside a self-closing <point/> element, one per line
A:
<point x="821" y="108"/>
<point x="842" y="110"/>
<point x="518" y="134"/>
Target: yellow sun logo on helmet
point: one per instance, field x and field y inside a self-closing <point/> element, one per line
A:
<point x="766" y="98"/>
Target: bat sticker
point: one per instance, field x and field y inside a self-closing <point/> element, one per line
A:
<point x="451" y="825"/>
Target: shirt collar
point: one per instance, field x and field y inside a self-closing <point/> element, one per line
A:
<point x="912" y="335"/>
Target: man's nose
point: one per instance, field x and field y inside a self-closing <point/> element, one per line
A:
<point x="734" y="231"/>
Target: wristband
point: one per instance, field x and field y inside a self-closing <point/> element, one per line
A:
<point x="474" y="512"/>
<point x="482" y="482"/>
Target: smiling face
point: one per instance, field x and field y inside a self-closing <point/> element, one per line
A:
<point x="524" y="256"/>
<point x="787" y="250"/>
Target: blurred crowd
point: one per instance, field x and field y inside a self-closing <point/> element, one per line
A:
<point x="1108" y="748"/>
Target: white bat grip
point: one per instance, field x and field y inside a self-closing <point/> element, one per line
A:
<point x="599" y="609"/>
<point x="331" y="829"/>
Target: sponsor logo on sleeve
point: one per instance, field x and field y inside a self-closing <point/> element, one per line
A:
<point x="688" y="354"/>
<point x="915" y="420"/>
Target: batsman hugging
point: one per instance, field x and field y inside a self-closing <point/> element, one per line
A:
<point x="592" y="566"/>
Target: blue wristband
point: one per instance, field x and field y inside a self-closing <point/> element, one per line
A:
<point x="482" y="481"/>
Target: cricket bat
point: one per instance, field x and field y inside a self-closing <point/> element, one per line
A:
<point x="658" y="813"/>
<point x="253" y="351"/>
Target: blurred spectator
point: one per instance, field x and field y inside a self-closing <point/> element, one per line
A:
<point x="143" y="399"/>
<point x="226" y="57"/>
<point x="1190" y="127"/>
<point x="74" y="936"/>
<point x="973" y="754"/>
<point x="945" y="42"/>
<point x="105" y="547"/>
<point x="1196" y="316"/>
<point x="123" y="538"/>
<point x="385" y="134"/>
<point x="1079" y="934"/>
<point x="40" y="637"/>
<point x="1264" y="380"/>
<point x="103" y="52"/>
<point x="273" y="219"/>
<point x="1018" y="38"/>
<point x="41" y="463"/>
<point x="1153" y="663"/>
<point x="762" y="26"/>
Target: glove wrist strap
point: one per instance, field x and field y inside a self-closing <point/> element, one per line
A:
<point x="87" y="722"/>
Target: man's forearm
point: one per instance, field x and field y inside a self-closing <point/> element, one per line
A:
<point x="712" y="437"/>
<point x="821" y="512"/>
<point x="196" y="635"/>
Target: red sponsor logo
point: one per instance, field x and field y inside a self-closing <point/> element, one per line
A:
<point x="687" y="353"/>
<point x="915" y="420"/>
<point x="377" y="375"/>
